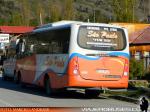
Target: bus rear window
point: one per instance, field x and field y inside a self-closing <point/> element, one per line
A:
<point x="101" y="38"/>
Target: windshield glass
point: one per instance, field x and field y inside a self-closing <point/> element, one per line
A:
<point x="101" y="38"/>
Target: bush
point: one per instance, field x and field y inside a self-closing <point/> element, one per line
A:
<point x="136" y="69"/>
<point x="138" y="83"/>
<point x="147" y="76"/>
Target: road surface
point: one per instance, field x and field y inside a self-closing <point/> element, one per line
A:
<point x="12" y="95"/>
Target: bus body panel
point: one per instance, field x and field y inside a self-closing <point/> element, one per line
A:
<point x="9" y="67"/>
<point x="101" y="68"/>
<point x="34" y="68"/>
<point x="26" y="67"/>
<point x="77" y="81"/>
<point x="100" y="81"/>
<point x="55" y="80"/>
<point x="55" y="66"/>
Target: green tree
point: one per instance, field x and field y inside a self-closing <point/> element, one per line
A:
<point x="101" y="18"/>
<point x="39" y="12"/>
<point x="2" y="21"/>
<point x="124" y="10"/>
<point x="68" y="12"/>
<point x="34" y="22"/>
<point x="16" y="19"/>
<point x="55" y="13"/>
<point x="25" y="11"/>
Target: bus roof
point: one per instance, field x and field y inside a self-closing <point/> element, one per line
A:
<point x="59" y="23"/>
<point x="66" y="24"/>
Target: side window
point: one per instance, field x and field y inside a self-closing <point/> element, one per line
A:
<point x="62" y="37"/>
<point x="41" y="48"/>
<point x="31" y="45"/>
<point x="56" y="47"/>
<point x="20" y="48"/>
<point x="48" y="42"/>
<point x="66" y="47"/>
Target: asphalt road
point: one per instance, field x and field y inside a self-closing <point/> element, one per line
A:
<point x="12" y="95"/>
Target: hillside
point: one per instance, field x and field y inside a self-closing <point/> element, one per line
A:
<point x="36" y="12"/>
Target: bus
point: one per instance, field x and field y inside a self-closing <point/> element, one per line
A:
<point x="71" y="54"/>
<point x="9" y="61"/>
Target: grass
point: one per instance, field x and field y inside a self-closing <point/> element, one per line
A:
<point x="132" y="94"/>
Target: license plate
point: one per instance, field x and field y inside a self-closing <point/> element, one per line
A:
<point x="103" y="71"/>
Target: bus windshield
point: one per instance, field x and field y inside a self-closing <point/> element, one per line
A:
<point x="101" y="38"/>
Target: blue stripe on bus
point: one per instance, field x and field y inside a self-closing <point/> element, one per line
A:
<point x="97" y="57"/>
<point x="81" y="56"/>
<point x="51" y="28"/>
<point x="120" y="54"/>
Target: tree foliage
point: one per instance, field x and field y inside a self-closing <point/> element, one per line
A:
<point x="124" y="10"/>
<point x="68" y="13"/>
<point x="16" y="19"/>
<point x="25" y="10"/>
<point x="136" y="69"/>
<point x="54" y="12"/>
<point x="37" y="12"/>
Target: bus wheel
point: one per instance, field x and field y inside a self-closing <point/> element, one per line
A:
<point x="17" y="78"/>
<point x="92" y="93"/>
<point x="21" y="83"/>
<point x="47" y="86"/>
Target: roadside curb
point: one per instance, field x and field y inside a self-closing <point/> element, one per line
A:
<point x="124" y="98"/>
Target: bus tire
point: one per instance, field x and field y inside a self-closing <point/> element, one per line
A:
<point x="21" y="83"/>
<point x="92" y="93"/>
<point x="17" y="78"/>
<point x="47" y="86"/>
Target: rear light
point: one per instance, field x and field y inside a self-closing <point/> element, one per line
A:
<point x="126" y="68"/>
<point x="75" y="66"/>
<point x="75" y="71"/>
<point x="125" y="74"/>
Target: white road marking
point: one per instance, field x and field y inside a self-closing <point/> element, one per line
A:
<point x="6" y="103"/>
